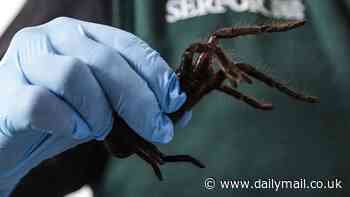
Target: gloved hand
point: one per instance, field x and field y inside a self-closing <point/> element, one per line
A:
<point x="60" y="83"/>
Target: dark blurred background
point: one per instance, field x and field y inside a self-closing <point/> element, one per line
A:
<point x="235" y="141"/>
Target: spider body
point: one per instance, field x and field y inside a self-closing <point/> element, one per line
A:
<point x="197" y="78"/>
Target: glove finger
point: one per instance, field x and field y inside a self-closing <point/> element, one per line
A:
<point x="129" y="94"/>
<point x="35" y="126"/>
<point x="71" y="80"/>
<point x="19" y="99"/>
<point x="38" y="109"/>
<point x="142" y="58"/>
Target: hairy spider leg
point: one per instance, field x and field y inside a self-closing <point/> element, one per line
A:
<point x="249" y="69"/>
<point x="153" y="152"/>
<point x="247" y="99"/>
<point x="232" y="32"/>
<point x="154" y="164"/>
<point x="182" y="158"/>
<point x="156" y="158"/>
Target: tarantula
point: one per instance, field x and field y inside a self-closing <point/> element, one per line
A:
<point x="198" y="78"/>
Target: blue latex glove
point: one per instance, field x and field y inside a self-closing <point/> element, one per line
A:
<point x="60" y="82"/>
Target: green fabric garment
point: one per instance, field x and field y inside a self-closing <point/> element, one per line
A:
<point x="235" y="141"/>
